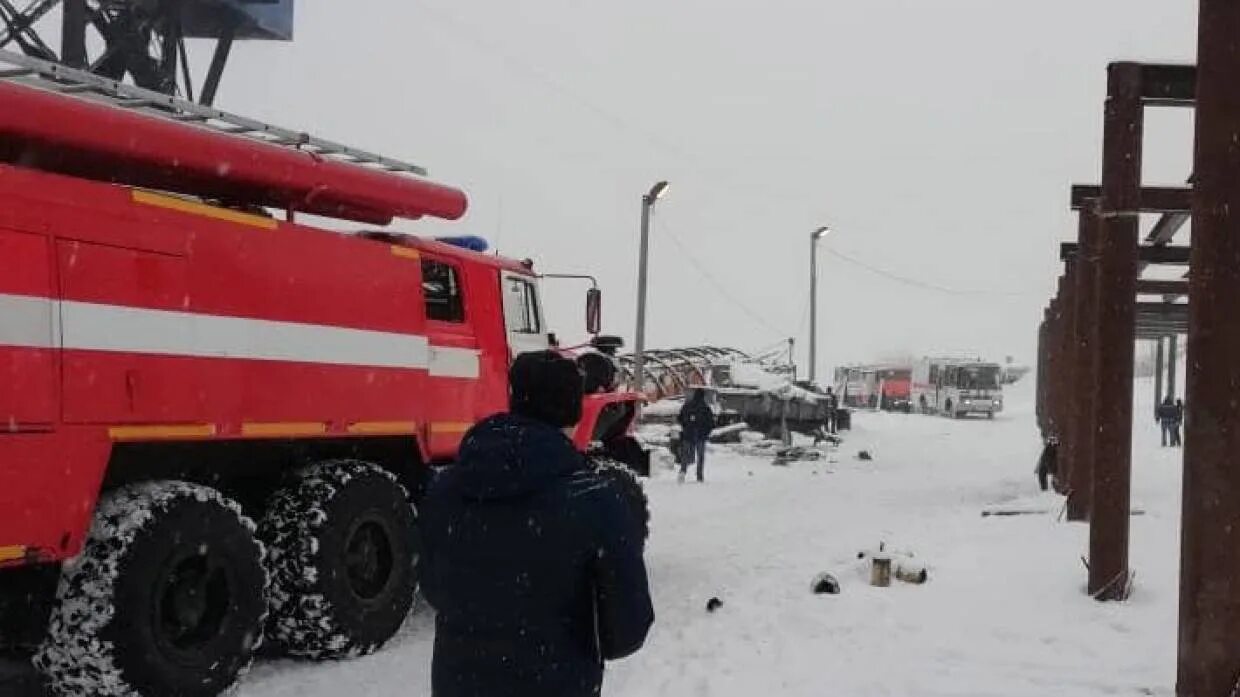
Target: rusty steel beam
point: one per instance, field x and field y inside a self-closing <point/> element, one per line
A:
<point x="1210" y="566"/>
<point x="1154" y="199"/>
<point x="1167" y="308"/>
<point x="1168" y="85"/>
<point x="1147" y="286"/>
<point x="1085" y="359"/>
<point x="1163" y="256"/>
<point x="1117" y="291"/>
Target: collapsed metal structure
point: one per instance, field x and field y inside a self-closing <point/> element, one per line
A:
<point x="1089" y="330"/>
<point x="673" y="372"/>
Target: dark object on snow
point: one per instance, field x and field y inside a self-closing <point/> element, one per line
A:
<point x="546" y="387"/>
<point x="908" y="572"/>
<point x="1048" y="463"/>
<point x="880" y="571"/>
<point x="713" y="604"/>
<point x="843" y="420"/>
<point x="786" y="456"/>
<point x="822" y="436"/>
<point x="825" y="584"/>
<point x="865" y="455"/>
<point x="565" y="584"/>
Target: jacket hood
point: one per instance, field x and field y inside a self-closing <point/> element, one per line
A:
<point x="508" y="456"/>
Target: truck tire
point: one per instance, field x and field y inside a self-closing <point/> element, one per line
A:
<point x="166" y="598"/>
<point x="630" y="489"/>
<point x="343" y="545"/>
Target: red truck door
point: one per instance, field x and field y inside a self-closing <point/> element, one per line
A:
<point x="453" y="362"/>
<point x="29" y="335"/>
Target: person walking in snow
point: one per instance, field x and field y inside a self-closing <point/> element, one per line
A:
<point x="697" y="420"/>
<point x="532" y="561"/>
<point x="1048" y="463"/>
<point x="1167" y="419"/>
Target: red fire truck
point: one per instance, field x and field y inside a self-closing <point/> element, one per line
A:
<point x="883" y="386"/>
<point x="214" y="424"/>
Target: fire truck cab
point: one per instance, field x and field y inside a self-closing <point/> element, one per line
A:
<point x="216" y="422"/>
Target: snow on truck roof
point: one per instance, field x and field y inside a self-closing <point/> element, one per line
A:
<point x="72" y="122"/>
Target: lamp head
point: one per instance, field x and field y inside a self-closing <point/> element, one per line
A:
<point x="657" y="191"/>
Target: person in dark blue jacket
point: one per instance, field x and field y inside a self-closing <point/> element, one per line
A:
<point x="532" y="562"/>
<point x="697" y="421"/>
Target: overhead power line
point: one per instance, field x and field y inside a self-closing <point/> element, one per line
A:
<point x="923" y="285"/>
<point x="721" y="287"/>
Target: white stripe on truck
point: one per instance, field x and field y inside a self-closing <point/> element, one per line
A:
<point x="28" y="322"/>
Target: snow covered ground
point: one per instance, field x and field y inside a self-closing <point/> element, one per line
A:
<point x="1004" y="612"/>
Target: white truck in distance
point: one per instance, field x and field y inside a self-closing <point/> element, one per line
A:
<point x="957" y="388"/>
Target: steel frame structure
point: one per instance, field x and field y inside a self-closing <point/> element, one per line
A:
<point x="673" y="372"/>
<point x="1090" y="327"/>
<point x="144" y="40"/>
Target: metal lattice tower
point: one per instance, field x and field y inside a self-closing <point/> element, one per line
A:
<point x="144" y="40"/>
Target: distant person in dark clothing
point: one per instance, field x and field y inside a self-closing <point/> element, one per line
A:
<point x="1168" y="419"/>
<point x="532" y="561"/>
<point x="1176" y="438"/>
<point x="833" y="406"/>
<point x="696" y="423"/>
<point x="1048" y="463"/>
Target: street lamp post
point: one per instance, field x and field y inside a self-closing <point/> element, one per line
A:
<point x="639" y="363"/>
<point x="813" y="301"/>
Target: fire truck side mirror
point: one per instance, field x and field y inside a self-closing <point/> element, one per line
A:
<point x="594" y="311"/>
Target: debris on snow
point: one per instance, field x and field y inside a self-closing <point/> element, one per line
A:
<point x="713" y="604"/>
<point x="729" y="434"/>
<point x="825" y="584"/>
<point x="787" y="456"/>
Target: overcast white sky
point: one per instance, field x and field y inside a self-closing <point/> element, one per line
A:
<point x="938" y="139"/>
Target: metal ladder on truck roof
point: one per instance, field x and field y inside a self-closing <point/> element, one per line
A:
<point x="53" y="77"/>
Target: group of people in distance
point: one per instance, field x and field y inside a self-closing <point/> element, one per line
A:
<point x="1170" y="416"/>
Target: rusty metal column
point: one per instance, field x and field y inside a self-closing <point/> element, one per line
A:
<point x="1052" y="368"/>
<point x="1173" y="365"/>
<point x="1210" y="566"/>
<point x="1159" y="366"/>
<point x="1055" y="358"/>
<point x="1085" y="356"/>
<point x="1043" y="376"/>
<point x="1117" y="300"/>
<point x="1067" y="429"/>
